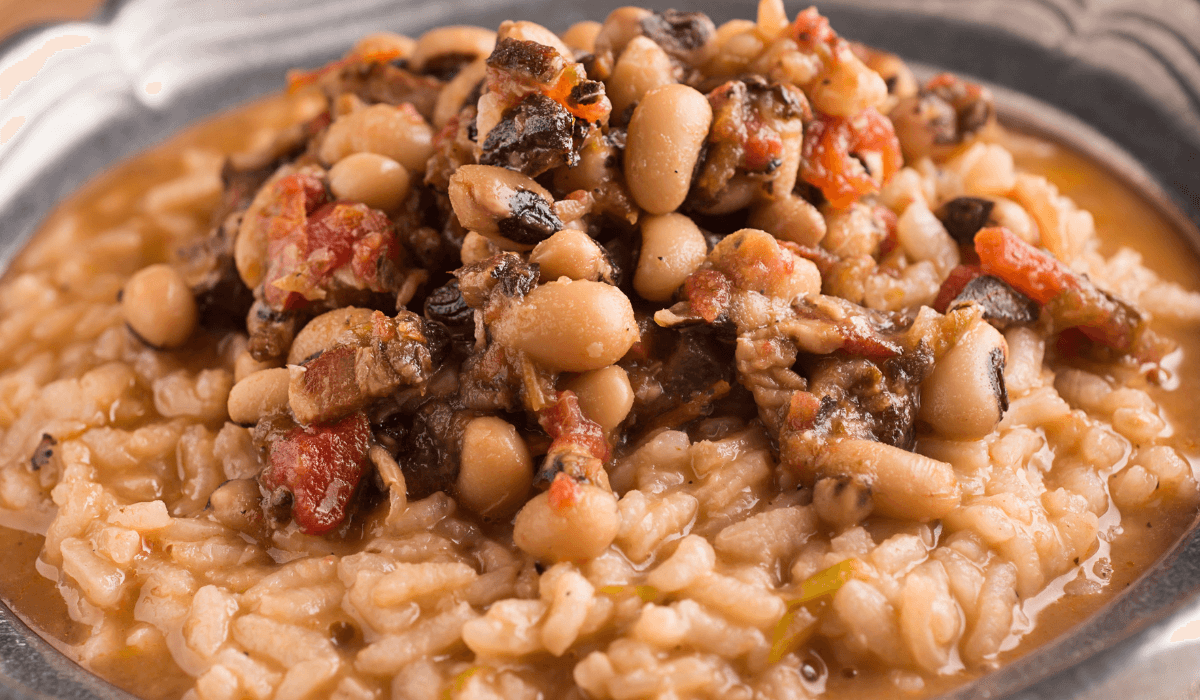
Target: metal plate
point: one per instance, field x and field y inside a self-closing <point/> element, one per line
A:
<point x="1117" y="79"/>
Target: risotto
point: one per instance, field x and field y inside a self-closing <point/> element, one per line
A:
<point x="655" y="359"/>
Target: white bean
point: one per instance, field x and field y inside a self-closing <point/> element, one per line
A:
<point x="643" y="66"/>
<point x="496" y="469"/>
<point x="962" y="398"/>
<point x="605" y="395"/>
<point x="158" y="305"/>
<point x="673" y="247"/>
<point x="580" y="529"/>
<point x="399" y="133"/>
<point x="571" y="326"/>
<point x="375" y="180"/>
<point x="322" y="332"/>
<point x="261" y="394"/>
<point x="581" y="36"/>
<point x="571" y="253"/>
<point x="667" y="130"/>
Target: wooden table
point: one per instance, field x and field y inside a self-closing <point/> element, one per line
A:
<point x="19" y="14"/>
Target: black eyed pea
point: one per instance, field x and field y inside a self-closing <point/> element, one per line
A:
<point x="261" y="394"/>
<point x="842" y="501"/>
<point x="523" y="30"/>
<point x="237" y="504"/>
<point x="399" y="133"/>
<point x="581" y="36"/>
<point x="965" y="397"/>
<point x="581" y="530"/>
<point x="245" y="365"/>
<point x="619" y="28"/>
<point x="381" y="42"/>
<point x="503" y="205"/>
<point x="574" y="254"/>
<point x="789" y="218"/>
<point x="476" y="248"/>
<point x="570" y="326"/>
<point x="673" y="247"/>
<point x="322" y="332"/>
<point x="666" y="132"/>
<point x="496" y="469"/>
<point x="643" y="66"/>
<point x="159" y="307"/>
<point x="458" y="40"/>
<point x="374" y="180"/>
<point x="451" y="97"/>
<point x="605" y="395"/>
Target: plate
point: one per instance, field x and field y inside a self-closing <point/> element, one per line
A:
<point x="1119" y="80"/>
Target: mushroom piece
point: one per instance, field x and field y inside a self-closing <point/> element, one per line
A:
<point x="964" y="397"/>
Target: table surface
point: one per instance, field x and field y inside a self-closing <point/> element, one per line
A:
<point x="19" y="14"/>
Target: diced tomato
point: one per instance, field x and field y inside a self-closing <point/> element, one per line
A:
<point x="297" y="79"/>
<point x="708" y="293"/>
<point x="304" y="254"/>
<point x="567" y="427"/>
<point x="1035" y="274"/>
<point x="811" y="30"/>
<point x="1072" y="300"/>
<point x="802" y="410"/>
<point x="828" y="161"/>
<point x="564" y="492"/>
<point x="321" y="466"/>
<point x="955" y="282"/>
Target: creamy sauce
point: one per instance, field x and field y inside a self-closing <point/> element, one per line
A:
<point x="1122" y="218"/>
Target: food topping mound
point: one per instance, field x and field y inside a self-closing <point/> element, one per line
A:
<point x="657" y="359"/>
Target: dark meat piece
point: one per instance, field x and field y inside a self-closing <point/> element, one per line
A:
<point x="446" y="305"/>
<point x="489" y="383"/>
<point x="445" y="66"/>
<point x="526" y="59"/>
<point x="859" y="398"/>
<point x="222" y="298"/>
<point x="532" y="220"/>
<point x="43" y="452"/>
<point x="429" y="453"/>
<point x="1002" y="305"/>
<point x="535" y="135"/>
<point x="387" y="83"/>
<point x="697" y="373"/>
<point x="964" y="216"/>
<point x="748" y="116"/>
<point x="505" y="272"/>
<point x="271" y="332"/>
<point x="683" y="35"/>
<point x="377" y="359"/>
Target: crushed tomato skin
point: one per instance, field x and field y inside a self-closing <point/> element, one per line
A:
<point x="955" y="282"/>
<point x="566" y="425"/>
<point x="828" y="161"/>
<point x="305" y="252"/>
<point x="320" y="465"/>
<point x="1072" y="299"/>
